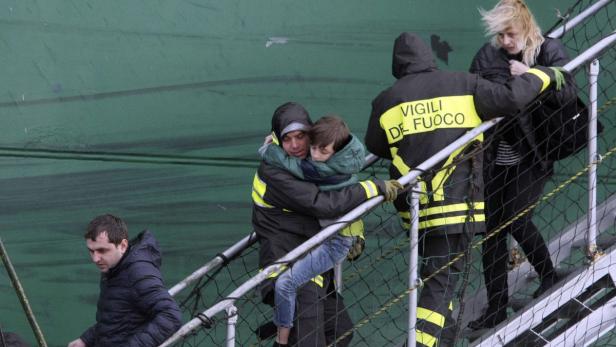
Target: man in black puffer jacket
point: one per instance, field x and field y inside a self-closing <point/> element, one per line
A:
<point x="134" y="308"/>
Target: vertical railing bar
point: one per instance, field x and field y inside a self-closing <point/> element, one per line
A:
<point x="231" y="324"/>
<point x="413" y="265"/>
<point x="591" y="238"/>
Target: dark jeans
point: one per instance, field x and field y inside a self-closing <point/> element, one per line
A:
<point x="509" y="190"/>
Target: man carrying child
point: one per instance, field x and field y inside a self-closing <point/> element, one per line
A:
<point x="286" y="212"/>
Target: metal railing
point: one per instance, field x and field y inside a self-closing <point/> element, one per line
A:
<point x="222" y="258"/>
<point x="227" y="304"/>
<point x="592" y="251"/>
<point x="569" y="24"/>
<point x="279" y="266"/>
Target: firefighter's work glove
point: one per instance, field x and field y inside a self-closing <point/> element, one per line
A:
<point x="559" y="77"/>
<point x="391" y="190"/>
<point x="357" y="248"/>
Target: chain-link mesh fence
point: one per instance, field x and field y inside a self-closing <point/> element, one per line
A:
<point x="375" y="286"/>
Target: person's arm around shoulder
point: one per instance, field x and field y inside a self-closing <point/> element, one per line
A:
<point x="494" y="99"/>
<point x="555" y="54"/>
<point x="154" y="301"/>
<point x="306" y="198"/>
<point x="275" y="155"/>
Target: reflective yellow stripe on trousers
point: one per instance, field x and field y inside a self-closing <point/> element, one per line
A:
<point x="425" y="338"/>
<point x="447" y="220"/>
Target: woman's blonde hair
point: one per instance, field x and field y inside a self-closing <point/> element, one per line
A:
<point x="503" y="16"/>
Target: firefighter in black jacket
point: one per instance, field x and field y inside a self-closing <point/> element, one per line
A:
<point x="424" y="111"/>
<point x="286" y="213"/>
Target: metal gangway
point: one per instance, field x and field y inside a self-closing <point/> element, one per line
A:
<point x="579" y="286"/>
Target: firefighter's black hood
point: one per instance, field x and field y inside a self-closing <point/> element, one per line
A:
<point x="411" y="55"/>
<point x="290" y="117"/>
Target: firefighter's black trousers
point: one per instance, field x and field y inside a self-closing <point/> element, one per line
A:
<point x="434" y="307"/>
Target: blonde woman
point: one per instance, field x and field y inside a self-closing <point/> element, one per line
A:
<point x="515" y="171"/>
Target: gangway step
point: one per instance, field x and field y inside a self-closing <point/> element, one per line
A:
<point x="561" y="249"/>
<point x="569" y="314"/>
<point x="590" y="328"/>
<point x="559" y="310"/>
<point x="519" y="303"/>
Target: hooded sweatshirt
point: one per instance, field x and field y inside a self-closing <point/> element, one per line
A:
<point x="427" y="109"/>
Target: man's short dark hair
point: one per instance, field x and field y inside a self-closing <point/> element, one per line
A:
<point x="330" y="129"/>
<point x="114" y="227"/>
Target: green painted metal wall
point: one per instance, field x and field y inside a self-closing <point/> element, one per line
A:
<point x="147" y="84"/>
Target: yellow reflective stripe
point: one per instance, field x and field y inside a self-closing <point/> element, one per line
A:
<point x="275" y="139"/>
<point x="258" y="191"/>
<point x="428" y="115"/>
<point x="393" y="151"/>
<point x="425" y="338"/>
<point x="451" y="306"/>
<point x="403" y="169"/>
<point x="259" y="201"/>
<point x="451" y="220"/>
<point x="354" y="229"/>
<point x="450" y="208"/>
<point x="438" y="182"/>
<point x="317" y="279"/>
<point x="407" y="215"/>
<point x="542" y="76"/>
<point x="275" y="274"/>
<point x="370" y="188"/>
<point x="431" y="316"/>
<point x="423" y="197"/>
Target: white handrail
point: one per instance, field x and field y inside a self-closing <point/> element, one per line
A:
<point x="326" y="233"/>
<point x="356" y="213"/>
<point x="592" y="52"/>
<point x="589" y="11"/>
<point x="233" y="251"/>
<point x="371" y="158"/>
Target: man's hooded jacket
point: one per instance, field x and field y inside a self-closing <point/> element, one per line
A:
<point x="425" y="110"/>
<point x="286" y="210"/>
